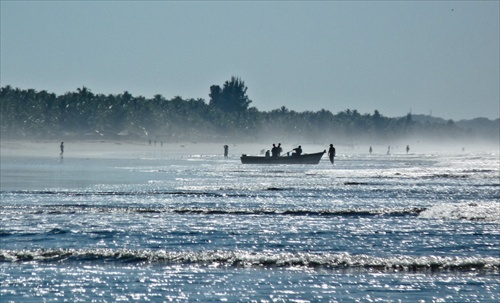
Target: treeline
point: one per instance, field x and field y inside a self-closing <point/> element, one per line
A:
<point x="85" y="115"/>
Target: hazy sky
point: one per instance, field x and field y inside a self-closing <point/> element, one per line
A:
<point x="393" y="56"/>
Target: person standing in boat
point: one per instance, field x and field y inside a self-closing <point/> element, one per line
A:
<point x="226" y="151"/>
<point x="274" y="151"/>
<point x="298" y="151"/>
<point x="279" y="150"/>
<point x="331" y="153"/>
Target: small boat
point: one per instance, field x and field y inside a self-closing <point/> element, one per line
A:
<point x="285" y="159"/>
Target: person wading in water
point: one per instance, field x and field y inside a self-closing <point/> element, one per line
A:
<point x="331" y="153"/>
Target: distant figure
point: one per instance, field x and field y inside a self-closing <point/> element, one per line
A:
<point x="407" y="148"/>
<point x="331" y="153"/>
<point x="274" y="151"/>
<point x="226" y="151"/>
<point x="298" y="151"/>
<point x="62" y="149"/>
<point x="279" y="150"/>
<point x="268" y="154"/>
<point x="389" y="150"/>
<point x="371" y="150"/>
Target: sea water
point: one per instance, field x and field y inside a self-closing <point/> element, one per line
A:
<point x="202" y="228"/>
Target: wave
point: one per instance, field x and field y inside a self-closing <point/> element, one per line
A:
<point x="120" y="193"/>
<point x="217" y="193"/>
<point x="305" y="212"/>
<point x="473" y="211"/>
<point x="480" y="211"/>
<point x="256" y="259"/>
<point x="446" y="176"/>
<point x="349" y="212"/>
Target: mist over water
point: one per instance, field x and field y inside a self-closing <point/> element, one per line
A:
<point x="115" y="221"/>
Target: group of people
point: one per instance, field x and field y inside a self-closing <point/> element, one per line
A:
<point x="277" y="150"/>
<point x="331" y="152"/>
<point x="370" y="150"/>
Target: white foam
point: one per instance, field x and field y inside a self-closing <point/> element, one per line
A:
<point x="475" y="211"/>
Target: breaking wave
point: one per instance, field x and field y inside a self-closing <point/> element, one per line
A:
<point x="256" y="259"/>
<point x="480" y="211"/>
<point x="348" y="212"/>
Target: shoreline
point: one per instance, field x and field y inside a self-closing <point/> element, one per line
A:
<point x="133" y="149"/>
<point x="111" y="149"/>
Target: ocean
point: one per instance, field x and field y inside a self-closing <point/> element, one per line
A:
<point x="202" y="228"/>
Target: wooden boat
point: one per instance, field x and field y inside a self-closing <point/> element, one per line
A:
<point x="292" y="159"/>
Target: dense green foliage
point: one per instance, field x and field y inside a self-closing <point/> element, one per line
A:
<point x="231" y="98"/>
<point x="83" y="114"/>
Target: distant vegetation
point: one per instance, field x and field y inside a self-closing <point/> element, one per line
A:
<point x="226" y="117"/>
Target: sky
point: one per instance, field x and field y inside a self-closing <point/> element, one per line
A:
<point x="425" y="57"/>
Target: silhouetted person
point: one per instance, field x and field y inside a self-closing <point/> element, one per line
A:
<point x="298" y="151"/>
<point x="371" y="150"/>
<point x="331" y="153"/>
<point x="226" y="151"/>
<point x="279" y="150"/>
<point x="274" y="151"/>
<point x="407" y="148"/>
<point x="62" y="149"/>
<point x="389" y="150"/>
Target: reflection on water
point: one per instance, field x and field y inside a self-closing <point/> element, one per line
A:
<point x="370" y="228"/>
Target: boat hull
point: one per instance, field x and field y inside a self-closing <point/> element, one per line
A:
<point x="302" y="159"/>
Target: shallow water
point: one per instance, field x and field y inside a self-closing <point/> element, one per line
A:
<point x="385" y="228"/>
